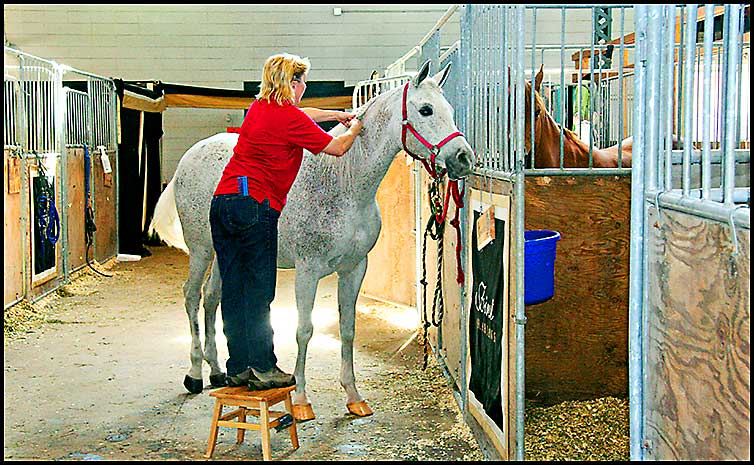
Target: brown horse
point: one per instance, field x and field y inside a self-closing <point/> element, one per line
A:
<point x="547" y="139"/>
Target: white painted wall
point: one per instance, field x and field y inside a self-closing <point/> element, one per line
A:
<point x="225" y="45"/>
<point x="217" y="46"/>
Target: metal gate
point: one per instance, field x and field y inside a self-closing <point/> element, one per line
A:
<point x="690" y="231"/>
<point x="44" y="122"/>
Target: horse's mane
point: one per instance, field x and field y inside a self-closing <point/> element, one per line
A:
<point x="342" y="169"/>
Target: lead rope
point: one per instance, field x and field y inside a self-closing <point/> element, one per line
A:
<point x="48" y="219"/>
<point x="89" y="226"/>
<point x="435" y="229"/>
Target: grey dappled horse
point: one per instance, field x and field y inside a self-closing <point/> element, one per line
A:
<point x="330" y="223"/>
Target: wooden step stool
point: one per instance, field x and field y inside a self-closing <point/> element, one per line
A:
<point x="256" y="403"/>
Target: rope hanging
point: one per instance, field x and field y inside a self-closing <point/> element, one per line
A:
<point x="435" y="229"/>
<point x="48" y="220"/>
<point x="89" y="226"/>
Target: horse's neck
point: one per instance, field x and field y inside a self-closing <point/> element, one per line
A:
<point x="360" y="171"/>
<point x="575" y="151"/>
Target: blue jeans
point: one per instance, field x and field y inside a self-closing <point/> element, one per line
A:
<point x="245" y="235"/>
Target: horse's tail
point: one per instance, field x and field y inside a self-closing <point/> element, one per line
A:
<point x="165" y="221"/>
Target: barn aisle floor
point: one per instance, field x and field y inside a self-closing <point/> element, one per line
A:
<point x="101" y="378"/>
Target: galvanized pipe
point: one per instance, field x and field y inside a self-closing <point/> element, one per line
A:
<point x="519" y="234"/>
<point x="709" y="37"/>
<point x="636" y="248"/>
<point x="669" y="71"/>
<point x="732" y="39"/>
<point x="653" y="100"/>
<point x="465" y="82"/>
<point x="688" y="97"/>
<point x="59" y="98"/>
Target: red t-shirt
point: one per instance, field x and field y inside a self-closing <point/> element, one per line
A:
<point x="270" y="149"/>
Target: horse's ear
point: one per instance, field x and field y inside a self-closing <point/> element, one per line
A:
<point x="442" y="76"/>
<point x="423" y="73"/>
<point x="538" y="78"/>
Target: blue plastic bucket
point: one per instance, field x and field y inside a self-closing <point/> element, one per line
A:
<point x="539" y="265"/>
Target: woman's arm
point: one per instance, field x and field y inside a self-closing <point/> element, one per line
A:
<point x="340" y="144"/>
<point x="328" y="115"/>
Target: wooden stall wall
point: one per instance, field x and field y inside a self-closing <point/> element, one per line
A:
<point x="505" y="447"/>
<point x="13" y="263"/>
<point x="76" y="202"/>
<point x="106" y="236"/>
<point x="390" y="272"/>
<point x="697" y="389"/>
<point x="577" y="342"/>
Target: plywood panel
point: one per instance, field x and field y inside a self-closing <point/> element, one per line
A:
<point x="106" y="237"/>
<point x="13" y="285"/>
<point x="452" y="328"/>
<point x="576" y="343"/>
<point x="75" y="208"/>
<point x="390" y="273"/>
<point x="502" y="188"/>
<point x="697" y="391"/>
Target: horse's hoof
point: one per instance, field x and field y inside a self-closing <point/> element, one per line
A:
<point x="218" y="380"/>
<point x="303" y="412"/>
<point x="360" y="409"/>
<point x="194" y="386"/>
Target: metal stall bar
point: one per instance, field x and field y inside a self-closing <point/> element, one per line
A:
<point x="463" y="123"/>
<point x="688" y="88"/>
<point x="732" y="40"/>
<point x="636" y="252"/>
<point x="519" y="233"/>
<point x="709" y="37"/>
<point x="666" y="180"/>
<point x="562" y="78"/>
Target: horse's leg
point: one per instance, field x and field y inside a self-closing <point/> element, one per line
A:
<point x="198" y="264"/>
<point x="306" y="290"/>
<point x="349" y="284"/>
<point x="212" y="293"/>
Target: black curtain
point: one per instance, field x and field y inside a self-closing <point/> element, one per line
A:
<point x="131" y="177"/>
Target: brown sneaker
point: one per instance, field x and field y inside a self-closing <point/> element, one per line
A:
<point x="241" y="379"/>
<point x="275" y="378"/>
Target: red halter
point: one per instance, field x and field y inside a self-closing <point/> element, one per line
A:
<point x="432" y="170"/>
<point x="434" y="149"/>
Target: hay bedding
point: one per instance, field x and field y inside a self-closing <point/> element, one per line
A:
<point x="578" y="430"/>
<point x="25" y="317"/>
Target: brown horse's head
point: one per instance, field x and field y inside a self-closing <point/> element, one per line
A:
<point x="539" y="110"/>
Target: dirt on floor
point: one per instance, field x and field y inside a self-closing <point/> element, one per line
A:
<point x="95" y="371"/>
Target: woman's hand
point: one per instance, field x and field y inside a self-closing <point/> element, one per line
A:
<point x="356" y="125"/>
<point x="344" y="118"/>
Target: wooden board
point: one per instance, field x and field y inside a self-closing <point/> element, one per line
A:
<point x="697" y="390"/>
<point x="390" y="272"/>
<point x="13" y="275"/>
<point x="576" y="343"/>
<point x="75" y="214"/>
<point x="106" y="236"/>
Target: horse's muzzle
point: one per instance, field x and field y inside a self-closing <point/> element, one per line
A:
<point x="460" y="164"/>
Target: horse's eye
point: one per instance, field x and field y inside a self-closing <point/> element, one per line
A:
<point x="426" y="110"/>
<point x="536" y="113"/>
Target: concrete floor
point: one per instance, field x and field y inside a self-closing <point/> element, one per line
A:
<point x="102" y="379"/>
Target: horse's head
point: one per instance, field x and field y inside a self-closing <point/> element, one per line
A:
<point x="540" y="110"/>
<point x="430" y="115"/>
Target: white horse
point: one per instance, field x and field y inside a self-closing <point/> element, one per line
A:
<point x="329" y="224"/>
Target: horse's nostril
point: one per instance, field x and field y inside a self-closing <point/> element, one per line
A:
<point x="464" y="158"/>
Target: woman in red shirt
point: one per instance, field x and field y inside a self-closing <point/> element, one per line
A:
<point x="246" y="208"/>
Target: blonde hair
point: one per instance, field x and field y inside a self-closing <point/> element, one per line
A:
<point x="278" y="72"/>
